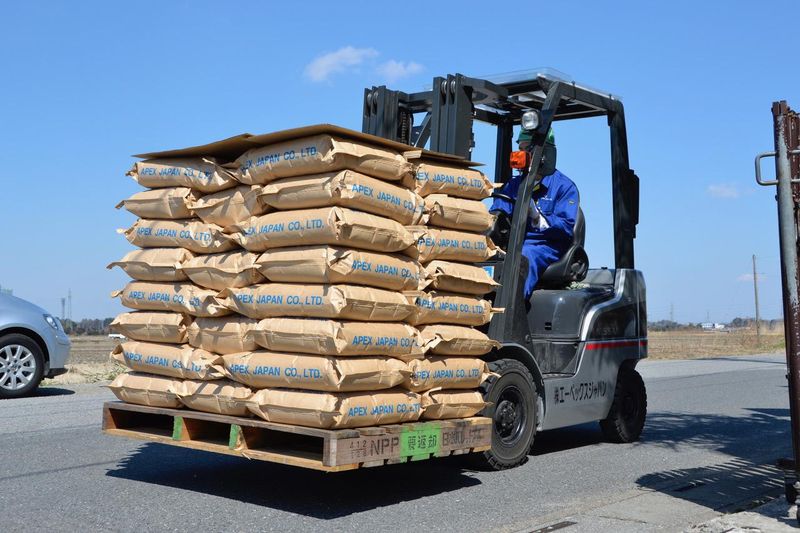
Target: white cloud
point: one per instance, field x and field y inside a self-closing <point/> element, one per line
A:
<point x="394" y="70"/>
<point x="343" y="59"/>
<point x="723" y="190"/>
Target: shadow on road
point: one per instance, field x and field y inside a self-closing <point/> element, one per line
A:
<point x="43" y="392"/>
<point x="291" y="489"/>
<point x="567" y="438"/>
<point x="753" y="442"/>
<point x="51" y="391"/>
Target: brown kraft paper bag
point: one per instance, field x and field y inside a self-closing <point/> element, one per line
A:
<point x="154" y="264"/>
<point x="152" y="326"/>
<point x="457" y="213"/>
<point x="348" y="302"/>
<point x="346" y="189"/>
<point x="177" y="361"/>
<point x="442" y="404"/>
<point x="329" y="410"/>
<point x="200" y="174"/>
<point x="169" y="203"/>
<point x="446" y="372"/>
<point x="223" y="396"/>
<point x="263" y="370"/>
<point x="318" y="154"/>
<point x="192" y="234"/>
<point x="460" y="278"/>
<point x="333" y="337"/>
<point x="450" y="245"/>
<point x="177" y="297"/>
<point x="431" y="178"/>
<point x="220" y="271"/>
<point x="457" y="340"/>
<point x="445" y="308"/>
<point x="230" y="206"/>
<point x="327" y="225"/>
<point x="330" y="264"/>
<point x="146" y="389"/>
<point x="228" y="334"/>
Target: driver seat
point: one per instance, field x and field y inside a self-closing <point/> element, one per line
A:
<point x="573" y="265"/>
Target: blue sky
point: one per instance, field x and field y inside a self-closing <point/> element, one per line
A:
<point x="87" y="84"/>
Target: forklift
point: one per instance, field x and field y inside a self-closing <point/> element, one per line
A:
<point x="568" y="355"/>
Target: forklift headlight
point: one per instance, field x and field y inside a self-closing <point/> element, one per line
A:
<point x="531" y="120"/>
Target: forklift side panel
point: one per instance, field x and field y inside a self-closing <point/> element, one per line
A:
<point x="587" y="396"/>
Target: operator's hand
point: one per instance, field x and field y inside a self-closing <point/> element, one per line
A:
<point x="501" y="229"/>
<point x="537" y="220"/>
<point x="534" y="213"/>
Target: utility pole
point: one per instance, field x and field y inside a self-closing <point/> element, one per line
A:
<point x="755" y="294"/>
<point x="671" y="312"/>
<point x="63" y="308"/>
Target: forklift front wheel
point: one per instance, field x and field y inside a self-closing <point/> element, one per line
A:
<point x="512" y="407"/>
<point x="625" y="420"/>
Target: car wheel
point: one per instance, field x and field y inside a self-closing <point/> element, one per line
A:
<point x="21" y="365"/>
<point x="512" y="397"/>
<point x="625" y="420"/>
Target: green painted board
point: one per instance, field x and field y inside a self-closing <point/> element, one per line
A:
<point x="235" y="430"/>
<point x="177" y="427"/>
<point x="421" y="442"/>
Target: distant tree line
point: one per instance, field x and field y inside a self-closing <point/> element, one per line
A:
<point x="670" y="325"/>
<point x="751" y="323"/>
<point x="86" y="326"/>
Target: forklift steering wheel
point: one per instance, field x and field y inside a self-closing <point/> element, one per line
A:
<point x="501" y="196"/>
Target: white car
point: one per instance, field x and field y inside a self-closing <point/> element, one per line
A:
<point x="33" y="346"/>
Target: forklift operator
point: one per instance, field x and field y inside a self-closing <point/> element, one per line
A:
<point x="553" y="209"/>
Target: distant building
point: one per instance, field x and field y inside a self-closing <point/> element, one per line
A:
<point x="3" y="290"/>
<point x="711" y="326"/>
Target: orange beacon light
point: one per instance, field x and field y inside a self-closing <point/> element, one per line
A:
<point x="519" y="159"/>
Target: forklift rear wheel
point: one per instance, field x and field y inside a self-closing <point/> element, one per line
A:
<point x="625" y="420"/>
<point x="512" y="407"/>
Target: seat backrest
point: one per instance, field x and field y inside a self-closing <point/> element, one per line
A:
<point x="579" y="229"/>
<point x="574" y="264"/>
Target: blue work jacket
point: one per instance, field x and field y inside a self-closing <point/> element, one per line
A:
<point x="557" y="198"/>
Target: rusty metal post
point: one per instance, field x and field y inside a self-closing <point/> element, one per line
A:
<point x="787" y="223"/>
<point x="787" y="170"/>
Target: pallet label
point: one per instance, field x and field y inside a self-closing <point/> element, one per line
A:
<point x="422" y="442"/>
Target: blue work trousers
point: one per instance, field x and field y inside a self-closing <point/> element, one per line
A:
<point x="540" y="256"/>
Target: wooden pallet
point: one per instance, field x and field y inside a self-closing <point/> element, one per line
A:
<point x="320" y="449"/>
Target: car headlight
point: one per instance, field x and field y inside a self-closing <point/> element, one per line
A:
<point x="54" y="323"/>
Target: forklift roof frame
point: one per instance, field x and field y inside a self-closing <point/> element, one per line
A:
<point x="455" y="101"/>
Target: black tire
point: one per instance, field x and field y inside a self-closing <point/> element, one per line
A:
<point x="14" y="340"/>
<point x="513" y="398"/>
<point x="626" y="418"/>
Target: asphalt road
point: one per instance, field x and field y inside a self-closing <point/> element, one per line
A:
<point x="714" y="429"/>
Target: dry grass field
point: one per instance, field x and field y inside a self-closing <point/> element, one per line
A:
<point x="89" y="361"/>
<point x="693" y="344"/>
